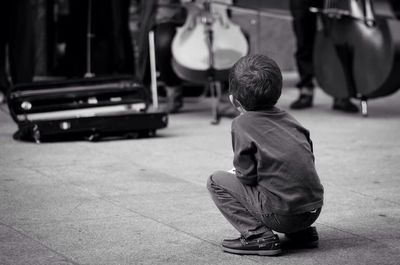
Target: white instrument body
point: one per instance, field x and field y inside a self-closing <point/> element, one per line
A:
<point x="191" y="48"/>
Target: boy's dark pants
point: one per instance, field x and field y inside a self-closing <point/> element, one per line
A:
<point x="245" y="207"/>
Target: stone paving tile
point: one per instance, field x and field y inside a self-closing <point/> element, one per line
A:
<point x="144" y="201"/>
<point x="30" y="197"/>
<point x="127" y="240"/>
<point x="19" y="249"/>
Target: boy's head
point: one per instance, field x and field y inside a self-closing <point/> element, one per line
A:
<point x="255" y="81"/>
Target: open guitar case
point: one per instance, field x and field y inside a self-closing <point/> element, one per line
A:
<point x="92" y="108"/>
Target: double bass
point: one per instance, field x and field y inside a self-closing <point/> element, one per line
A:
<point x="357" y="49"/>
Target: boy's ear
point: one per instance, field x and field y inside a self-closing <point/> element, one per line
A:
<point x="236" y="103"/>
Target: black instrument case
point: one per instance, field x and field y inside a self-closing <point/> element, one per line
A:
<point x="88" y="108"/>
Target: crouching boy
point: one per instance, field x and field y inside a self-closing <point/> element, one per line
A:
<point x="274" y="185"/>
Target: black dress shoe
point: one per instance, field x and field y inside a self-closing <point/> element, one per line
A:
<point x="174" y="99"/>
<point x="174" y="107"/>
<point x="263" y="246"/>
<point x="303" y="102"/>
<point x="344" y="104"/>
<point x="307" y="238"/>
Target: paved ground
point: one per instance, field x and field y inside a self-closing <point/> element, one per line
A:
<point x="145" y="202"/>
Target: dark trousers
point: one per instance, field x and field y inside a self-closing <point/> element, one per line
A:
<point x="304" y="27"/>
<point x="246" y="208"/>
<point x="164" y="34"/>
<point x="16" y="35"/>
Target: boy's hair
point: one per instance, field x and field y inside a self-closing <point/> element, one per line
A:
<point x="256" y="82"/>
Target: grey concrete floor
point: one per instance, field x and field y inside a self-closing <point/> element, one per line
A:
<point x="144" y="201"/>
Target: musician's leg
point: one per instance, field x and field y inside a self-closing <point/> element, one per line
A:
<point x="4" y="33"/>
<point x="21" y="42"/>
<point x="173" y="84"/>
<point x="304" y="27"/>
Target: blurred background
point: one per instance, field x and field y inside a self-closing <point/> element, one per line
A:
<point x="59" y="32"/>
<point x="72" y="39"/>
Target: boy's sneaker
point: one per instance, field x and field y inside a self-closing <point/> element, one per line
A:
<point x="263" y="245"/>
<point x="307" y="238"/>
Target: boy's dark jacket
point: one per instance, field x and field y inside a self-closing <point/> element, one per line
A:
<point x="273" y="151"/>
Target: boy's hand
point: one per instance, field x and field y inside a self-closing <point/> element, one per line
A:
<point x="232" y="171"/>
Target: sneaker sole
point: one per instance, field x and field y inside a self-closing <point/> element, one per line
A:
<point x="272" y="252"/>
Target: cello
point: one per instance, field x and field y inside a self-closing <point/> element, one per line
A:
<point x="357" y="50"/>
<point x="208" y="44"/>
<point x="206" y="47"/>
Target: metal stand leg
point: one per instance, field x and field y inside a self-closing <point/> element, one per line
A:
<point x="36" y="134"/>
<point x="364" y="107"/>
<point x="215" y="90"/>
<point x="215" y="86"/>
<point x="153" y="70"/>
<point x="89" y="37"/>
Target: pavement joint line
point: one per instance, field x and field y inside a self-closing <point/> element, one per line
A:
<point x="174" y="228"/>
<point x="25" y="234"/>
<point x="158" y="171"/>
<point x="376" y="198"/>
<point x="115" y="203"/>
<point x="348" y="232"/>
<point x="223" y="155"/>
<point x="69" y="221"/>
<point x="38" y="170"/>
<point x="360" y="236"/>
<point x="106" y="199"/>
<point x="363" y="194"/>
